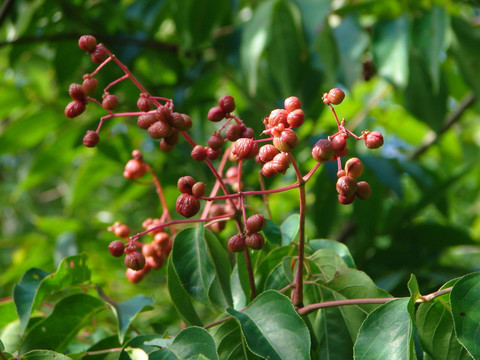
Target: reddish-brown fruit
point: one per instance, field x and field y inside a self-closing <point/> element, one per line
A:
<point x="121" y="230"/>
<point x="346" y="186"/>
<point x="255" y="223"/>
<point x="176" y="120"/>
<point x="267" y="153"/>
<point x="227" y="104"/>
<point x="135" y="260"/>
<point x="339" y="144"/>
<point x="363" y="190"/>
<point x="136" y="276"/>
<point x="199" y="153"/>
<point x="159" y="129"/>
<point x="345" y="200"/>
<point x="236" y="243"/>
<point x="154" y="262"/>
<point x="172" y="139"/>
<point x="287" y="140"/>
<point x="198" y="189"/>
<point x="163" y="113"/>
<point x="278" y="116"/>
<point x="116" y="248"/>
<point x="354" y="167"/>
<point x="144" y="121"/>
<point x="255" y="241"/>
<point x="247" y="132"/>
<point x="341" y="173"/>
<point x="76" y="92"/>
<point x="296" y="118"/>
<point x="185" y="184"/>
<point x="109" y="102"/>
<point x="161" y="239"/>
<point x="245" y="148"/>
<point x="335" y="96"/>
<point x="187" y="205"/>
<point x="99" y="55"/>
<point x="233" y="132"/>
<point x="137" y="154"/>
<point x="292" y="103"/>
<point x="87" y="43"/>
<point x="267" y="169"/>
<point x="91" y="139"/>
<point x="89" y="84"/>
<point x="280" y="162"/>
<point x="74" y="108"/>
<point x="134" y="169"/>
<point x="144" y="102"/>
<point x="216" y="114"/>
<point x="166" y="147"/>
<point x="373" y="140"/>
<point x="323" y="150"/>
<point x="215" y="141"/>
<point x="187" y="122"/>
<point x="213" y="154"/>
<point x="148" y="250"/>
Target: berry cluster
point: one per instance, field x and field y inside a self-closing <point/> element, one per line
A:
<point x="273" y="153"/>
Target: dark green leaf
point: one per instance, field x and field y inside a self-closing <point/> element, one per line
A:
<point x="69" y="316"/>
<point x="230" y="345"/>
<point x="44" y="355"/>
<point x="339" y="248"/>
<point x="273" y="329"/>
<point x="290" y="228"/>
<point x="464" y="300"/>
<point x="273" y="232"/>
<point x="387" y="333"/>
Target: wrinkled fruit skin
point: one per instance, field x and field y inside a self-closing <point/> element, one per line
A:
<point x="334" y="96"/>
<point x="226" y="103"/>
<point x="116" y="248"/>
<point x="255" y="223"/>
<point x="87" y="43"/>
<point x="363" y="190"/>
<point x="91" y="139"/>
<point x="135" y="260"/>
<point x="373" y="140"/>
<point x="286" y="142"/>
<point x="216" y="114"/>
<point x="354" y="167"/>
<point x="346" y="186"/>
<point x="323" y="150"/>
<point x="74" y="108"/>
<point x="187" y="205"/>
<point x="185" y="184"/>
<point x="236" y="243"/>
<point x="255" y="241"/>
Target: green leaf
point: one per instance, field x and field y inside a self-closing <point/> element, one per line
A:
<point x="268" y="263"/>
<point x="44" y="355"/>
<point x="326" y="262"/>
<point x="273" y="232"/>
<point x="189" y="344"/>
<point x="281" y="275"/>
<point x="435" y="329"/>
<point x="273" y="329"/>
<point x="464" y="298"/>
<point x="255" y="37"/>
<point x="290" y="228"/>
<point x="390" y="46"/>
<point x="339" y="248"/>
<point x="36" y="285"/>
<point x="230" y="343"/>
<point x="9" y="314"/>
<point x="387" y="333"/>
<point x="141" y="342"/>
<point x="180" y="298"/>
<point x="69" y="316"/>
<point x="413" y="288"/>
<point x="126" y="311"/>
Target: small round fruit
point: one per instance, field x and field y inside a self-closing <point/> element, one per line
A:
<point x="198" y="189"/>
<point x="255" y="223"/>
<point x="280" y="162"/>
<point x="99" y="55"/>
<point x="227" y="104"/>
<point x="187" y="205"/>
<point x="216" y="114"/>
<point x="335" y="96"/>
<point x="267" y="153"/>
<point x="89" y="84"/>
<point x="159" y="129"/>
<point x="323" y="150"/>
<point x="346" y="186"/>
<point x="236" y="243"/>
<point x="185" y="184"/>
<point x="373" y="140"/>
<point x="136" y="276"/>
<point x="121" y="230"/>
<point x="135" y="260"/>
<point x="144" y="102"/>
<point x="233" y="132"/>
<point x="134" y="169"/>
<point x="354" y="167"/>
<point x="74" y="108"/>
<point x="339" y="144"/>
<point x="109" y="102"/>
<point x="76" y="92"/>
<point x="87" y="43"/>
<point x="296" y="118"/>
<point x="198" y="153"/>
<point x="91" y="139"/>
<point x="255" y="241"/>
<point x="215" y="141"/>
<point x="292" y="103"/>
<point x="286" y="142"/>
<point x="278" y="116"/>
<point x="363" y="190"/>
<point x="245" y="148"/>
<point x="116" y="248"/>
<point x="345" y="200"/>
<point x="144" y="121"/>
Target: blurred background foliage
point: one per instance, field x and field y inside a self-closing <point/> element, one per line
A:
<point x="410" y="69"/>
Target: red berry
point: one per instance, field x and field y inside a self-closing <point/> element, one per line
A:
<point x="135" y="260"/>
<point x="280" y="163"/>
<point x="345" y="200"/>
<point x="323" y="150"/>
<point x="215" y="141"/>
<point x="134" y="169"/>
<point x="136" y="276"/>
<point x="227" y="104"/>
<point x="216" y="114"/>
<point x="187" y="205"/>
<point x="121" y="230"/>
<point x="187" y="122"/>
<point x="144" y="102"/>
<point x="87" y="43"/>
<point x="339" y="144"/>
<point x="373" y="140"/>
<point x="76" y="92"/>
<point x="255" y="241"/>
<point x="236" y="243"/>
<point x="199" y="153"/>
<point x="363" y="190"/>
<point x="354" y="167"/>
<point x="159" y="129"/>
<point x="148" y="250"/>
<point x="185" y="184"/>
<point x="245" y="148"/>
<point x="99" y="55"/>
<point x="255" y="223"/>
<point x="74" y="108"/>
<point x="163" y="113"/>
<point x="292" y="103"/>
<point x="166" y="147"/>
<point x="278" y="116"/>
<point x="91" y="139"/>
<point x="346" y="186"/>
<point x="334" y="96"/>
<point x="233" y="132"/>
<point x="267" y="153"/>
<point x="144" y="121"/>
<point x="89" y="84"/>
<point x="267" y="169"/>
<point x="287" y="140"/>
<point x="172" y="139"/>
<point x="248" y="132"/>
<point x="161" y="239"/>
<point x="213" y="154"/>
<point x="296" y="118"/>
<point x="177" y="121"/>
<point x="116" y="248"/>
<point x="198" y="189"/>
<point x="109" y="102"/>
